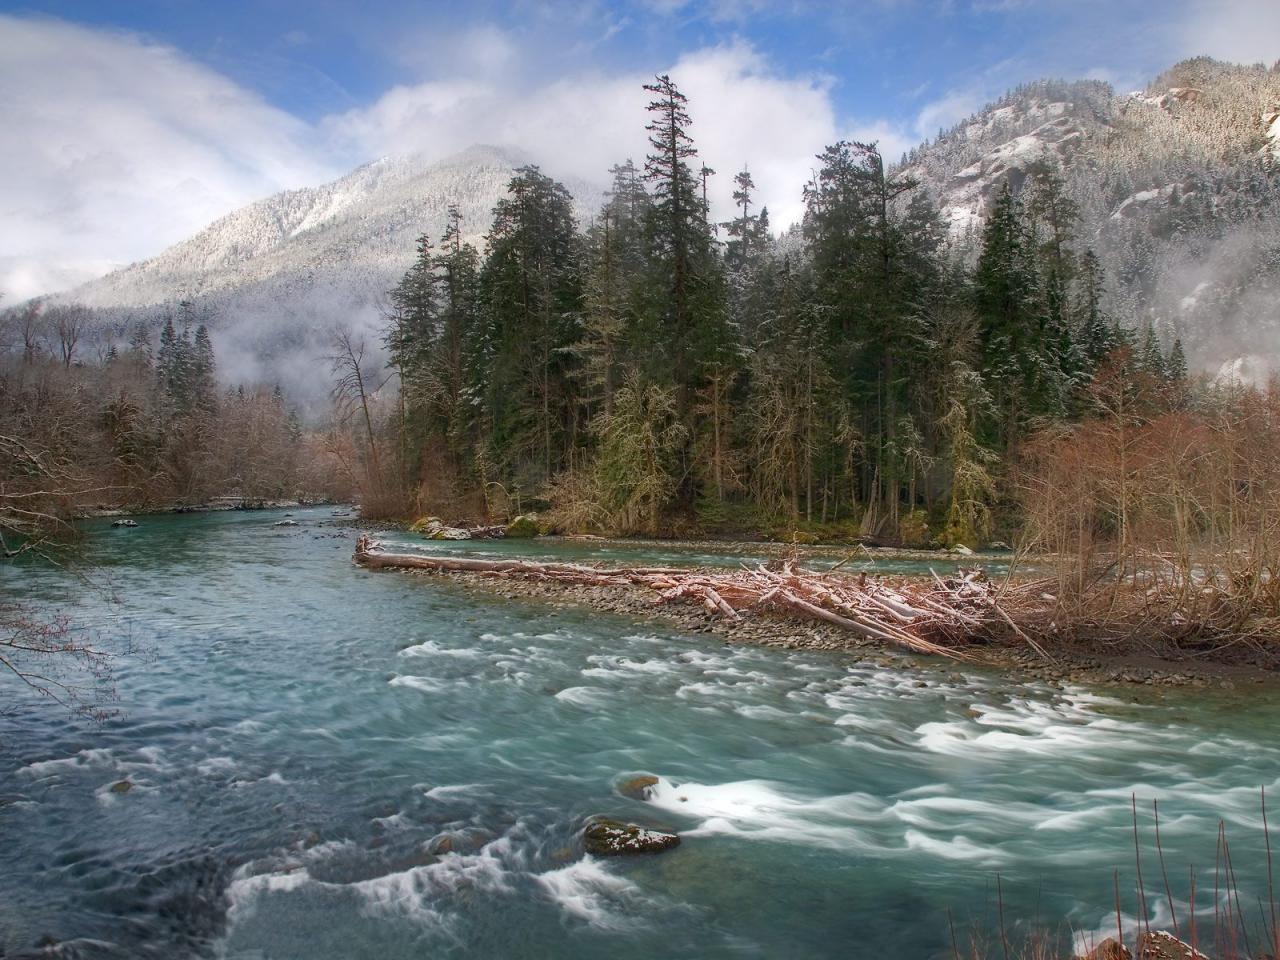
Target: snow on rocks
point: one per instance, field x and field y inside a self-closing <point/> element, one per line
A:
<point x="604" y="837"/>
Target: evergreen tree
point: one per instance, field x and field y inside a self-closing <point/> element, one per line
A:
<point x="413" y="319"/>
<point x="458" y="266"/>
<point x="678" y="232"/>
<point x="616" y="254"/>
<point x="747" y="231"/>
<point x="874" y="252"/>
<point x="1019" y="363"/>
<point x="686" y="311"/>
<point x="204" y="384"/>
<point x="532" y="295"/>
<point x="1097" y="335"/>
<point x="1176" y="366"/>
<point x="1150" y="356"/>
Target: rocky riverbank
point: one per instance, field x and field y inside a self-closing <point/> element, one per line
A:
<point x="1089" y="665"/>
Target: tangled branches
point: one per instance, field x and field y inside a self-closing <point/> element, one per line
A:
<point x="933" y="617"/>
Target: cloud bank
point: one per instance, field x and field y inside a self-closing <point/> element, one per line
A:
<point x="127" y="146"/>
<point x="119" y="146"/>
<point x="116" y="148"/>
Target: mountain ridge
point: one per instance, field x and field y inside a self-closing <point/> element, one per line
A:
<point x="1177" y="187"/>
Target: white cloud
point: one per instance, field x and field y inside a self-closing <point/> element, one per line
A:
<point x="1242" y="31"/>
<point x="945" y="112"/>
<point x="578" y="125"/>
<point x="116" y="147"/>
<point x="127" y="146"/>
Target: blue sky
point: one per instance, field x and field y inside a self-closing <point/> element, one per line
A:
<point x="886" y="59"/>
<point x="135" y="123"/>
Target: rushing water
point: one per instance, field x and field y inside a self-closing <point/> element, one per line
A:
<point x="301" y="734"/>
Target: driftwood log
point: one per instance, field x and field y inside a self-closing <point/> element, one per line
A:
<point x="927" y="616"/>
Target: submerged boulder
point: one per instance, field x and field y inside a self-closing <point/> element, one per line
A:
<point x="524" y="525"/>
<point x="606" y="838"/>
<point x="121" y="786"/>
<point x="637" y="788"/>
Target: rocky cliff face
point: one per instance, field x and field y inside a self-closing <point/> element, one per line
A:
<point x="1178" y="188"/>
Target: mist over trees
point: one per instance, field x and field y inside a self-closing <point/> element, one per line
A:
<point x="139" y="423"/>
<point x="652" y="370"/>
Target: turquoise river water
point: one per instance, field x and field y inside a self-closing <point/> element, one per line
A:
<point x="301" y="735"/>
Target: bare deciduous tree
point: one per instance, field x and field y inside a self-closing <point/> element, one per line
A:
<point x="69" y="322"/>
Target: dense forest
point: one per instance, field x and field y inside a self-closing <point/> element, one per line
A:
<point x="864" y="375"/>
<point x="659" y="372"/>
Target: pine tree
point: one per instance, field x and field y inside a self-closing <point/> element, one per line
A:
<point x="458" y="266"/>
<point x="616" y="254"/>
<point x="678" y="218"/>
<point x="413" y="319"/>
<point x="1150" y="356"/>
<point x="874" y="253"/>
<point x="1020" y="366"/>
<point x="1176" y="366"/>
<point x="689" y="316"/>
<point x="532" y="295"/>
<point x="1097" y="335"/>
<point x="203" y="381"/>
<point x="747" y="231"/>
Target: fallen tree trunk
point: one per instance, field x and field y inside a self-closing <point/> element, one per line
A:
<point x="912" y="618"/>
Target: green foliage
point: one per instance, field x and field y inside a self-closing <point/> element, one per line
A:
<point x="634" y="468"/>
<point x="856" y="378"/>
<point x="913" y="529"/>
<point x="523" y="527"/>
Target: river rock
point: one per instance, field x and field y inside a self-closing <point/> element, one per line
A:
<point x="121" y="786"/>
<point x="434" y="529"/>
<point x="285" y="523"/>
<point x="1159" y="945"/>
<point x="523" y="526"/>
<point x="124" y="522"/>
<point x="1108" y="949"/>
<point x="637" y="788"/>
<point x="605" y="838"/>
<point x="961" y="550"/>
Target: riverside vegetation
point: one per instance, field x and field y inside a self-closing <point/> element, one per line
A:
<point x="861" y="378"/>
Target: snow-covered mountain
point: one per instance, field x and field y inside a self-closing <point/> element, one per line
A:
<point x="1178" y="189"/>
<point x="275" y="277"/>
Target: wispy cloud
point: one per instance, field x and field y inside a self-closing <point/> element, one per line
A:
<point x="117" y="147"/>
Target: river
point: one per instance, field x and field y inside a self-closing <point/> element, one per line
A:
<point x="301" y="734"/>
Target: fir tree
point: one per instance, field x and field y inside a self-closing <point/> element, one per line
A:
<point x="531" y="290"/>
<point x="1176" y="366"/>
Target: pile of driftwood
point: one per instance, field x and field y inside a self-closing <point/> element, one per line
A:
<point x="935" y="616"/>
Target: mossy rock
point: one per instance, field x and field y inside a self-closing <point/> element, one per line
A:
<point x="523" y="526"/>
<point x="637" y="788"/>
<point x="610" y="838"/>
<point x="425" y="525"/>
<point x="449" y="533"/>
